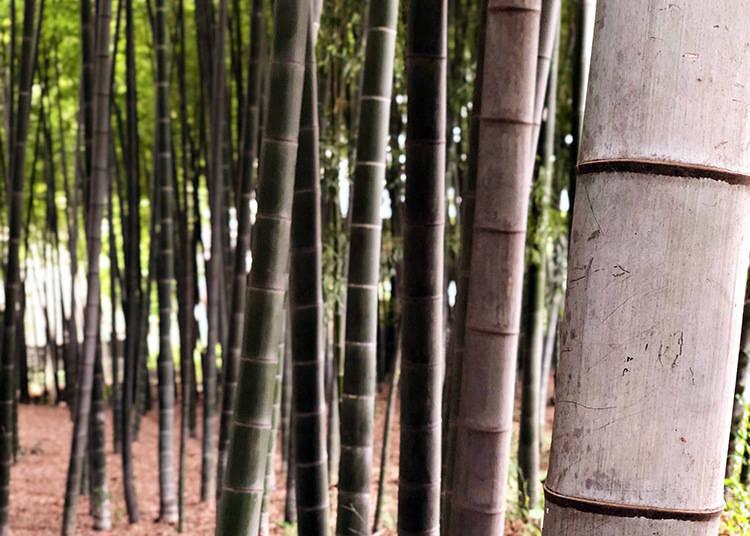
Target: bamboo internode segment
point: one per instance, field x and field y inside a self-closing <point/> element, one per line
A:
<point x="649" y="341"/>
<point x="658" y="267"/>
<point x="669" y="82"/>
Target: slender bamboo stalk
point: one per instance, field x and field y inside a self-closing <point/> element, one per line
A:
<point x="186" y="299"/>
<point x="99" y="494"/>
<point x="239" y="508"/>
<point x="163" y="175"/>
<point x="132" y="256"/>
<point x="358" y="392"/>
<point x="13" y="287"/>
<point x="548" y="29"/>
<point x="215" y="267"/>
<point x="98" y="185"/>
<point x="385" y="448"/>
<point x="642" y="346"/>
<point x="269" y="479"/>
<point x="737" y="450"/>
<point x="422" y="302"/>
<point x="239" y="282"/>
<point x="114" y="276"/>
<point x="532" y="402"/>
<point x="310" y="460"/>
<point x="493" y="310"/>
<point x="586" y="11"/>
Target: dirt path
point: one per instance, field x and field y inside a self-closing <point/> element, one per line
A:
<point x="38" y="480"/>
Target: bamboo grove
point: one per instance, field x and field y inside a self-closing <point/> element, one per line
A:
<point x="455" y="267"/>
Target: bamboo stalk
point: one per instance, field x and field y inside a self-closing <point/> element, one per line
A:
<point x="310" y="457"/>
<point x="240" y="505"/>
<point x="497" y="258"/>
<point x="422" y="301"/>
<point x="358" y="390"/>
<point x="98" y="185"/>
<point x="643" y="348"/>
<point x="163" y="175"/>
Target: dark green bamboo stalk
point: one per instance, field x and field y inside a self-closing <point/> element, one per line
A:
<point x="239" y="283"/>
<point x="186" y="301"/>
<point x="13" y="287"/>
<point x="132" y="256"/>
<point x="422" y="302"/>
<point x="531" y="399"/>
<point x="239" y="509"/>
<point x="163" y="174"/>
<point x="385" y="448"/>
<point x="310" y="460"/>
<point x="97" y="201"/>
<point x="216" y="264"/>
<point x="99" y="493"/>
<point x="114" y="276"/>
<point x="269" y="479"/>
<point x="737" y="452"/>
<point x="358" y="393"/>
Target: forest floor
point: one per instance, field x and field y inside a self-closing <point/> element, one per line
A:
<point x="38" y="480"/>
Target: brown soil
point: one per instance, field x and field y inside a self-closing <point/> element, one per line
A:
<point x="38" y="480"/>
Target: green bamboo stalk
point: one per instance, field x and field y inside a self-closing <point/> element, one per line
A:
<point x="269" y="479"/>
<point x="531" y="399"/>
<point x="358" y="391"/>
<point x="163" y="175"/>
<point x="422" y="302"/>
<point x="97" y="200"/>
<point x="132" y="256"/>
<point x="239" y="282"/>
<point x="215" y="266"/>
<point x="239" y="508"/>
<point x="186" y="301"/>
<point x="385" y="448"/>
<point x="13" y="287"/>
<point x="99" y="493"/>
<point x="310" y="458"/>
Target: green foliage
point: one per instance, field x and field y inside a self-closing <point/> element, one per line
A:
<point x="736" y="519"/>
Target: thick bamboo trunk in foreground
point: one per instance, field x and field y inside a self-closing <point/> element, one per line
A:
<point x="494" y="306"/>
<point x="658" y="264"/>
<point x="239" y="509"/>
<point x="423" y="336"/>
<point x="358" y="391"/>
